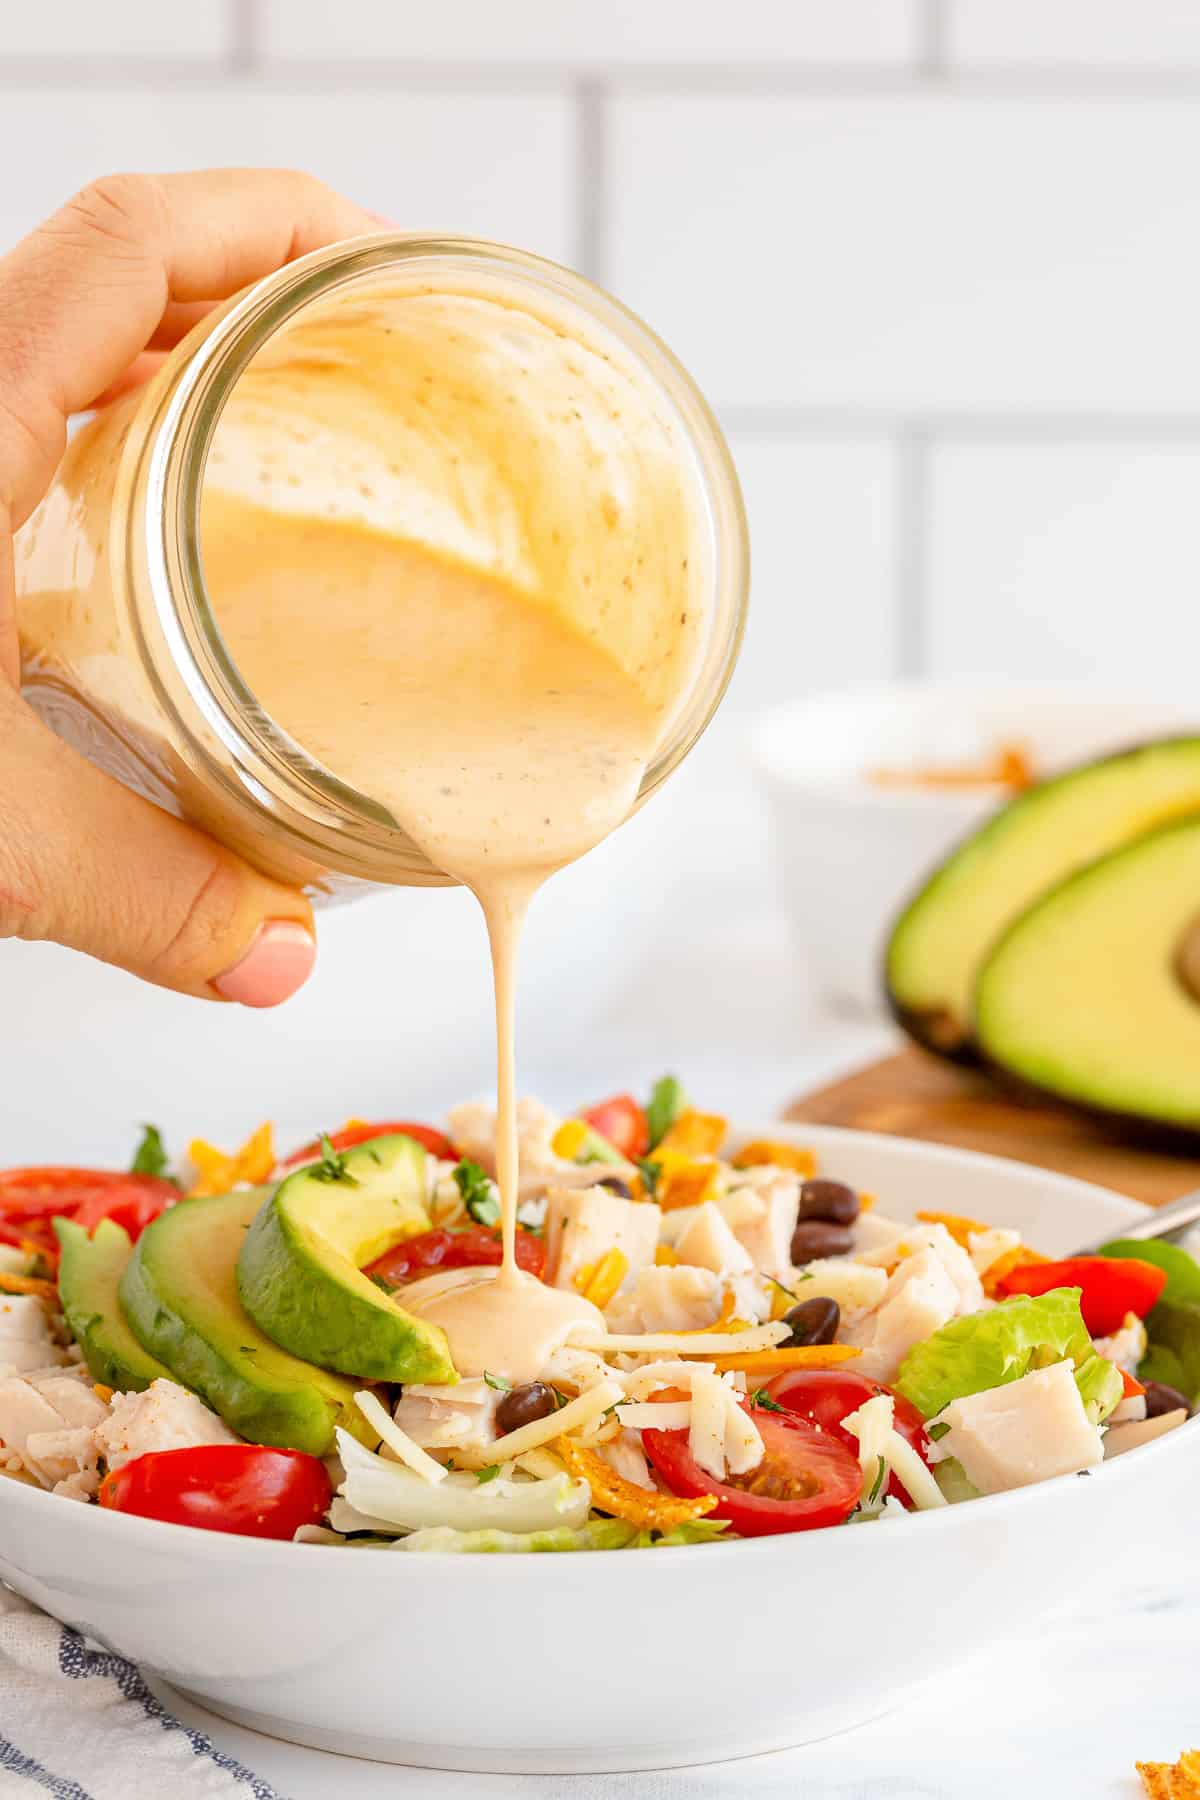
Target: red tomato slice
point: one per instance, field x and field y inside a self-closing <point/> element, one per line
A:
<point x="85" y="1195"/>
<point x="825" y="1396"/>
<point x="245" y="1488"/>
<point x="805" y="1479"/>
<point x="623" y="1123"/>
<point x="474" y="1245"/>
<point x="1108" y="1288"/>
<point x="436" y="1142"/>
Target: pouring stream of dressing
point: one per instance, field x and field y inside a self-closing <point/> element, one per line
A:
<point x="505" y="715"/>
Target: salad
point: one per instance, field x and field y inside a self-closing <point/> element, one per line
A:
<point x="248" y="1343"/>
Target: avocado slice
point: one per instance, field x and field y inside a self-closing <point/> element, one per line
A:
<point x="179" y="1295"/>
<point x="940" y="941"/>
<point x="300" y="1269"/>
<point x="1087" y="995"/>
<point x="88" y="1278"/>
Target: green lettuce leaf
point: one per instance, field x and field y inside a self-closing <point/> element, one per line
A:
<point x="597" y="1534"/>
<point x="1163" y="1365"/>
<point x="988" y="1349"/>
<point x="953" y="1480"/>
<point x="1100" y="1387"/>
<point x="1174" y="1328"/>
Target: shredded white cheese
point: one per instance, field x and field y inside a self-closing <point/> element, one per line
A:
<point x="706" y="1435"/>
<point x="682" y="1343"/>
<point x="660" y="1415"/>
<point x="873" y="1425"/>
<point x="399" y="1442"/>
<point x="572" y="1417"/>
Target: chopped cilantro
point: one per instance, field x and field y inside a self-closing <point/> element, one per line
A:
<point x="791" y="1294"/>
<point x="488" y="1474"/>
<point x="762" y="1399"/>
<point x="650" y="1173"/>
<point x="332" y="1166"/>
<point x="477" y="1194"/>
<point x="498" y="1382"/>
<point x="880" y="1477"/>
<point x="150" y="1157"/>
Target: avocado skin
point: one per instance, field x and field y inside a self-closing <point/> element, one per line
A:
<point x="1045" y="1075"/>
<point x="303" y="1286"/>
<point x="179" y="1295"/>
<point x="939" y="1029"/>
<point x="88" y="1278"/>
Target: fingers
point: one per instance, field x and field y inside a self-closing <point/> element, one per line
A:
<point x="88" y="864"/>
<point x="89" y="290"/>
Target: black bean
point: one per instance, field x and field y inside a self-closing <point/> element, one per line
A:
<point x="1163" y="1399"/>
<point x="831" y="1200"/>
<point x="818" y="1237"/>
<point x="522" y="1405"/>
<point x="813" y="1321"/>
<point x="617" y="1185"/>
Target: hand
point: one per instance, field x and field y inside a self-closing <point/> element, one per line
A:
<point x="88" y="303"/>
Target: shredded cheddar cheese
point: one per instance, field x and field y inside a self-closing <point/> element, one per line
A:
<point x="797" y="1356"/>
<point x="28" y="1284"/>
<point x="611" y="1493"/>
<point x="599" y="1281"/>
<point x="218" y="1171"/>
<point x="101" y="1392"/>
<point x="775" y="1152"/>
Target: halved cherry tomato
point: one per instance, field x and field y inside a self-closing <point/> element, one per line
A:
<point x="623" y="1123"/>
<point x="475" y="1245"/>
<point x="826" y="1396"/>
<point x="246" y="1488"/>
<point x="436" y="1142"/>
<point x="805" y="1479"/>
<point x="85" y="1195"/>
<point x="1109" y="1288"/>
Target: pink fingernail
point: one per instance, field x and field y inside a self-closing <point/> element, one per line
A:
<point x="279" y="961"/>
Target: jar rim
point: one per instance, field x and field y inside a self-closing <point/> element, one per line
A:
<point x="338" y="823"/>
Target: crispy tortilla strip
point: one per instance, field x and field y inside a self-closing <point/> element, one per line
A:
<point x="772" y="1151"/>
<point x="1172" y="1781"/>
<point x="28" y="1284"/>
<point x="611" y="1493"/>
<point x="694" y="1134"/>
<point x="960" y="1228"/>
<point x="217" y="1172"/>
<point x="797" y="1356"/>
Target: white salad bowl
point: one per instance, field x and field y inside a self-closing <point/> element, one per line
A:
<point x="626" y="1659"/>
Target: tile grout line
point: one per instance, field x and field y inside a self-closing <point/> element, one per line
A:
<point x="591" y="178"/>
<point x="244" y="57"/>
<point x="910" y="559"/>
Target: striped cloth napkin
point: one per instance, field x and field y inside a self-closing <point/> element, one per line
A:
<point x="79" y="1723"/>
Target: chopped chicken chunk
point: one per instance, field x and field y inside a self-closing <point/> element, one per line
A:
<point x="581" y="1227"/>
<point x="47" y="1421"/>
<point x="919" y="1299"/>
<point x="164" y="1417"/>
<point x="1026" y="1431"/>
<point x="473" y="1129"/>
<point x="762" y="1215"/>
<point x="461" y="1417"/>
<point x="1126" y="1347"/>
<point x="681" y="1298"/>
<point x="708" y="1243"/>
<point x="27" y="1341"/>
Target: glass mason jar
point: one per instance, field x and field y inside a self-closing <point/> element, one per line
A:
<point x="121" y="652"/>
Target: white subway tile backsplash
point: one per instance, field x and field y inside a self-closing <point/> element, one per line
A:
<point x="822" y="519"/>
<point x="683" y="32"/>
<point x="1074" y="560"/>
<point x="485" y="164"/>
<point x="915" y="254"/>
<point x="118" y="28"/>
<point x="1081" y="34"/>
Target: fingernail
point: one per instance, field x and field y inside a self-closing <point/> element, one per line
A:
<point x="279" y="961"/>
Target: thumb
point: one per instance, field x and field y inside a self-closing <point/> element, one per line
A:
<point x="86" y="863"/>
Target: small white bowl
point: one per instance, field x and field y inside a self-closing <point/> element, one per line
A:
<point x="851" y="851"/>
<point x="626" y="1659"/>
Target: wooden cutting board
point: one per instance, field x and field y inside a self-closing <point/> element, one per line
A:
<point x="914" y="1095"/>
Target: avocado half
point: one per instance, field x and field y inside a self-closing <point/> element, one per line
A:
<point x="947" y="931"/>
<point x="1093" y="995"/>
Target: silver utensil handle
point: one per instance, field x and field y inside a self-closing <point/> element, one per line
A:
<point x="1159" y="1221"/>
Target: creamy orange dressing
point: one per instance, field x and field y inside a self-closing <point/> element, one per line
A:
<point x="488" y="631"/>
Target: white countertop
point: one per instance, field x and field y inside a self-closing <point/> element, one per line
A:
<point x="1107" y="1679"/>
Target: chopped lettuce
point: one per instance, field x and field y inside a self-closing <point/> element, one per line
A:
<point x="1100" y="1387"/>
<point x="385" y="1493"/>
<point x="988" y="1349"/>
<point x="667" y="1101"/>
<point x="598" y="1534"/>
<point x="954" y="1482"/>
